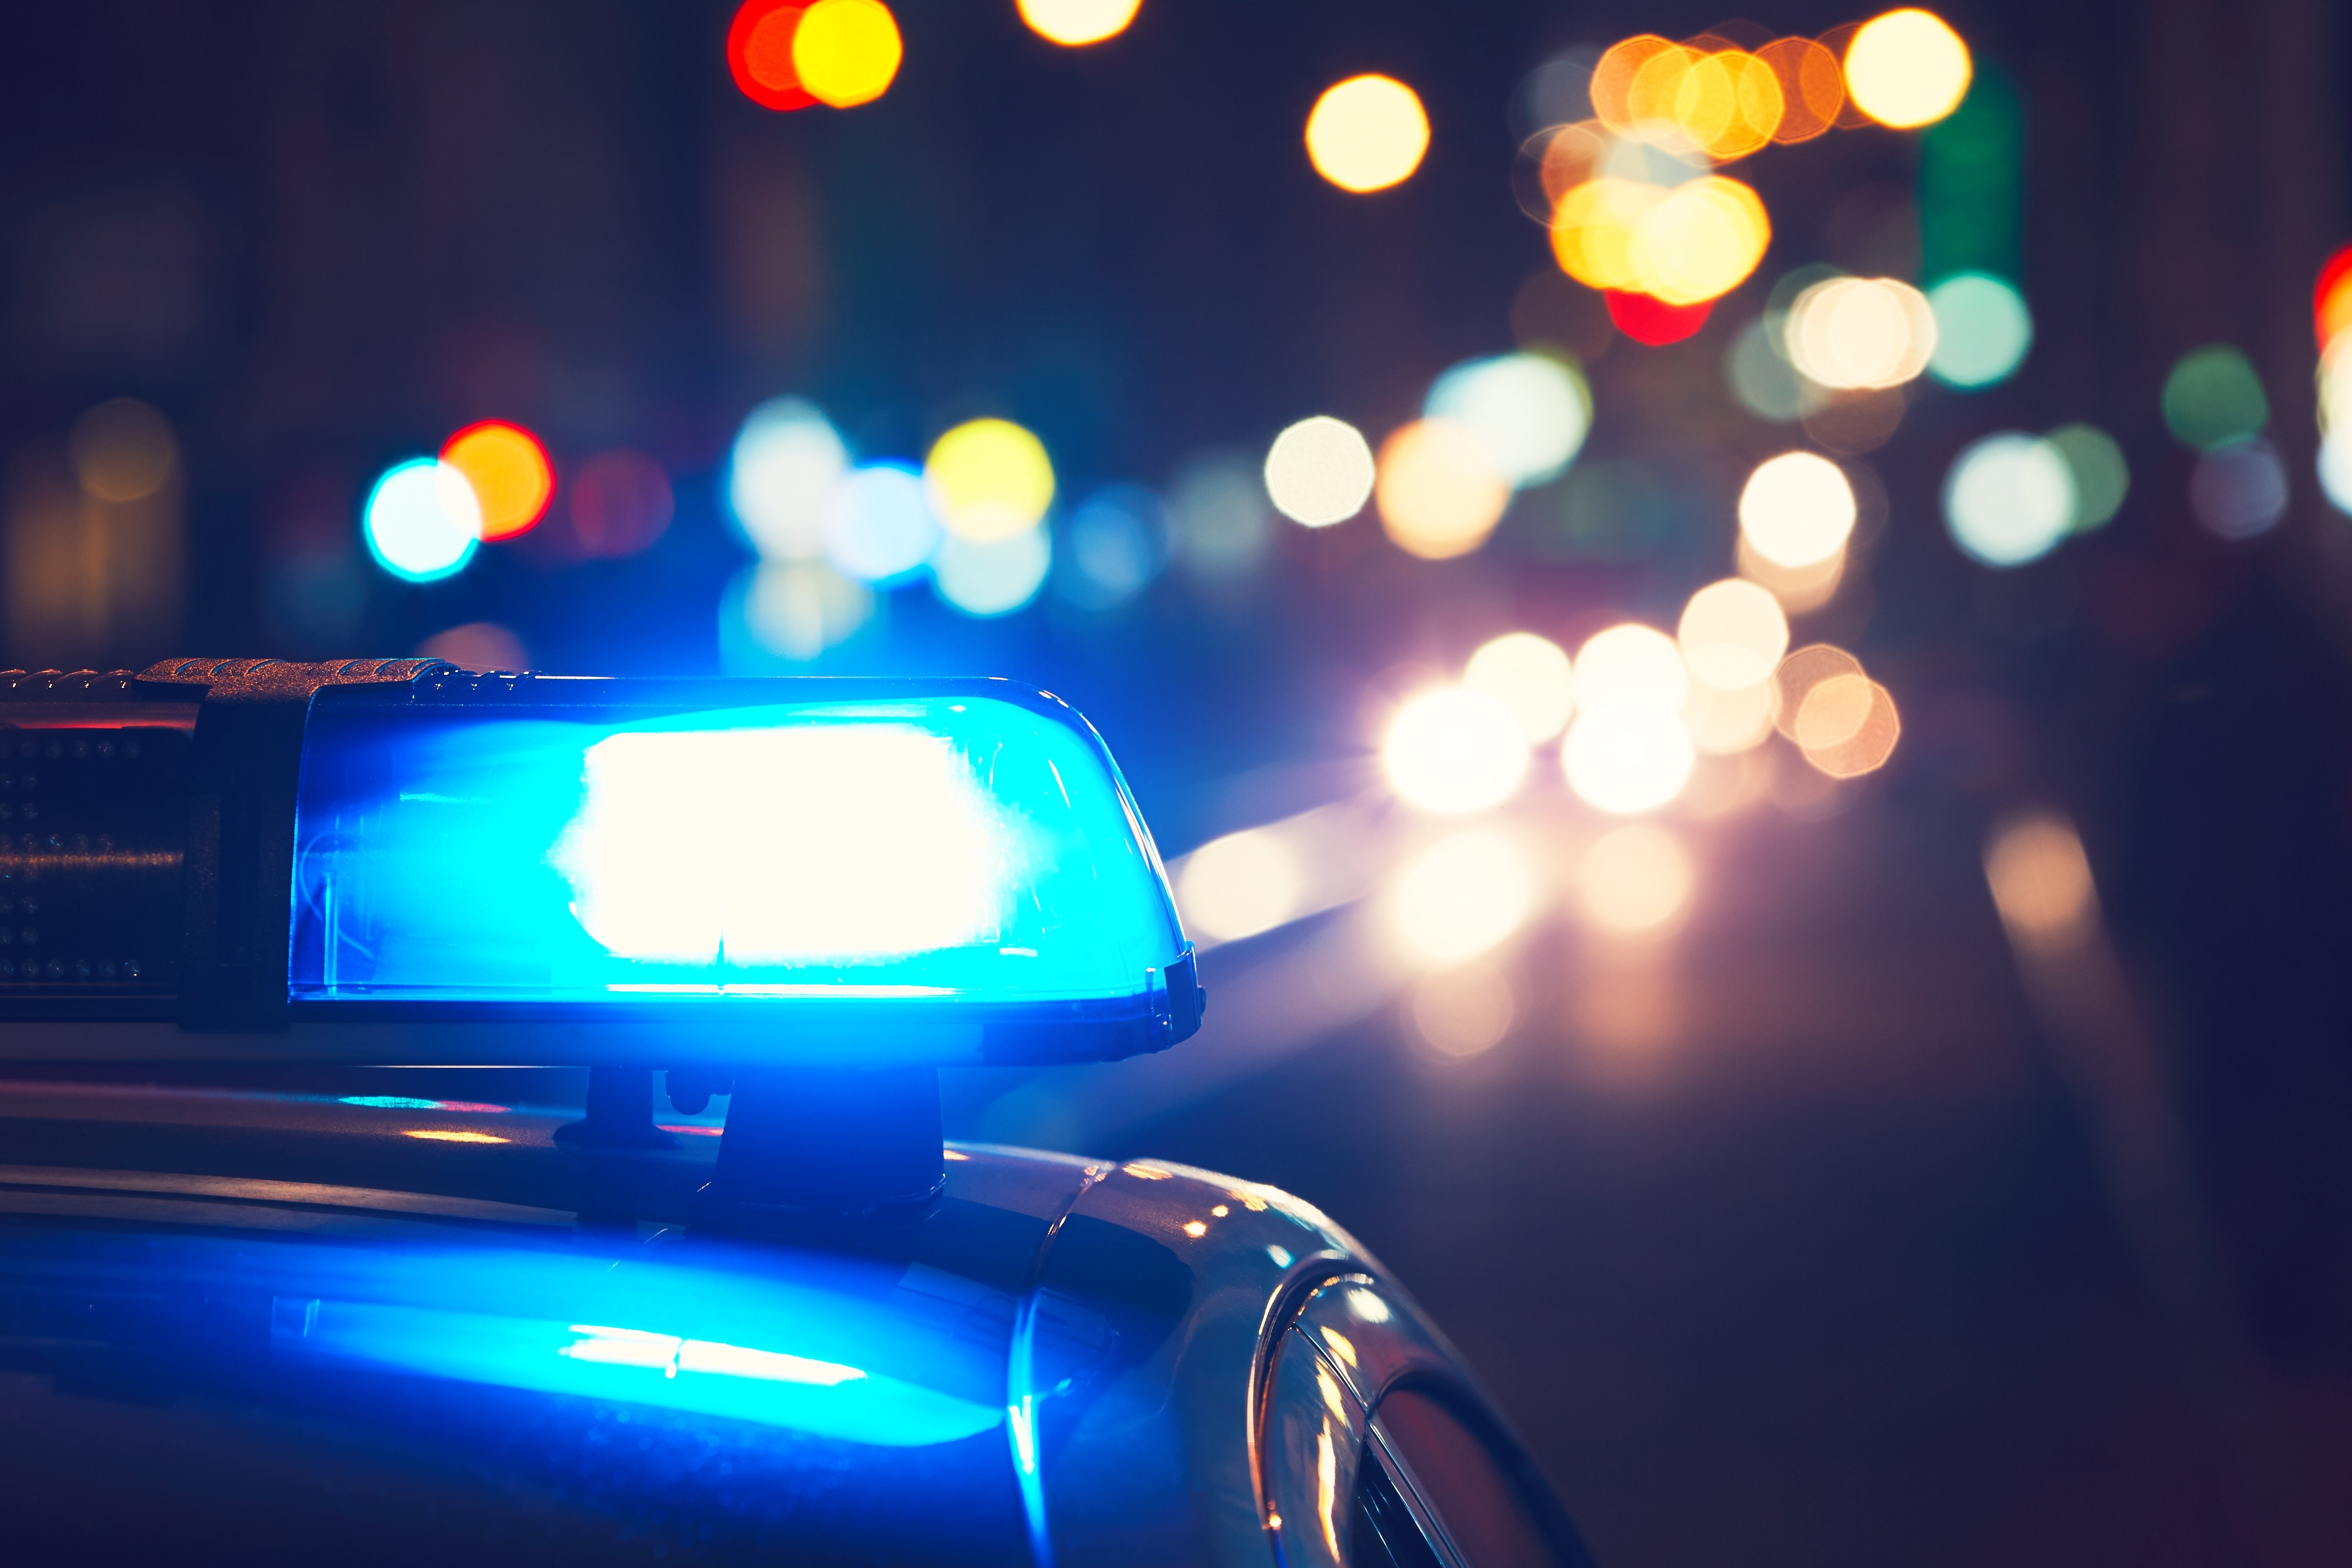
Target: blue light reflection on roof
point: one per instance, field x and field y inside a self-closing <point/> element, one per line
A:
<point x="922" y="850"/>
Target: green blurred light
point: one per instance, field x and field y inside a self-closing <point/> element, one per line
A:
<point x="2213" y="397"/>
<point x="2102" y="477"/>
<point x="1972" y="182"/>
<point x="1982" y="330"/>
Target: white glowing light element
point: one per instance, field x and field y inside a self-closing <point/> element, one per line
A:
<point x="670" y="1354"/>
<point x="1733" y="634"/>
<point x="878" y="523"/>
<point x="1460" y="896"/>
<point x="1627" y="757"/>
<point x="1454" y="750"/>
<point x="1319" y="471"/>
<point x="786" y="460"/>
<point x="1860" y="332"/>
<point x="1528" y="412"/>
<point x="776" y="846"/>
<point x="2009" y="499"/>
<point x="422" y="520"/>
<point x="1797" y="510"/>
<point x="1076" y="23"/>
<point x="1529" y="675"/>
<point x="1634" y="879"/>
<point x="1242" y="884"/>
<point x="992" y="577"/>
<point x="1630" y="664"/>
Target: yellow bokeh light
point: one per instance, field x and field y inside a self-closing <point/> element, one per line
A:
<point x="988" y="480"/>
<point x="122" y="450"/>
<point x="1529" y="675"/>
<point x="845" y="52"/>
<point x="1634" y="880"/>
<point x="1438" y="492"/>
<point x="1631" y="663"/>
<point x="1907" y="68"/>
<point x="1722" y="102"/>
<point x="1797" y="510"/>
<point x="1684" y="245"/>
<point x="1852" y="333"/>
<point x="1366" y="133"/>
<point x="1460" y="896"/>
<point x="508" y="473"/>
<point x="1077" y="22"/>
<point x="1733" y="634"/>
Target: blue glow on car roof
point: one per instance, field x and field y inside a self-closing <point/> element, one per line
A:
<point x="925" y="852"/>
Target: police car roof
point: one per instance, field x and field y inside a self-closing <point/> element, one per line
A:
<point x="203" y="1291"/>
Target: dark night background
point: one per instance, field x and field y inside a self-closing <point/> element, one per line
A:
<point x="1841" y="1265"/>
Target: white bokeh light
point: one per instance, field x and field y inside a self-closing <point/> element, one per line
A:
<point x="780" y="474"/>
<point x="1532" y="678"/>
<point x="1797" y="510"/>
<point x="1531" y="411"/>
<point x="1460" y="896"/>
<point x="1319" y="471"/>
<point x="1630" y="664"/>
<point x="1627" y="757"/>
<point x="2009" y="499"/>
<point x="1454" y="750"/>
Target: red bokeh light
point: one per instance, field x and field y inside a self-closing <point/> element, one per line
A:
<point x="2331" y="297"/>
<point x="759" y="53"/>
<point x="1646" y="319"/>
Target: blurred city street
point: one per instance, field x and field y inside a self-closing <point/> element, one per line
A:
<point x="1737" y="633"/>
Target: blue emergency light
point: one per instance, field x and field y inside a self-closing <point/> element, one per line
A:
<point x="561" y="869"/>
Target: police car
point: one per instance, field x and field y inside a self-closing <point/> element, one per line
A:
<point x="265" y="1300"/>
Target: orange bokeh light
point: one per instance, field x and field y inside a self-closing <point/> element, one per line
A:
<point x="759" y="53"/>
<point x="513" y="480"/>
<point x="1812" y="88"/>
<point x="2331" y="298"/>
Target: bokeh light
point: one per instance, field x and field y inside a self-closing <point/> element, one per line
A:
<point x="988" y="480"/>
<point x="1812" y="88"/>
<point x="1117" y="543"/>
<point x="1982" y="330"/>
<point x="1319" y="471"/>
<point x="1460" y="896"/>
<point x="1438" y="491"/>
<point x="989" y="577"/>
<point x="1220" y="514"/>
<point x="421" y="520"/>
<point x="1723" y="102"/>
<point x="2331" y="298"/>
<point x="1724" y="723"/>
<point x="1797" y="510"/>
<point x="1626" y="757"/>
<point x="878" y="523"/>
<point x="479" y="645"/>
<point x="1860" y="333"/>
<point x="1801" y="671"/>
<point x="1733" y="634"/>
<point x="2008" y="499"/>
<point x="760" y="53"/>
<point x="794" y="610"/>
<point x="1684" y="245"/>
<point x="122" y="450"/>
<point x="1464" y="1010"/>
<point x="786" y="459"/>
<point x="1653" y="322"/>
<point x="1631" y="663"/>
<point x="2335" y="469"/>
<point x="1847" y="726"/>
<point x="1907" y="68"/>
<point x="1763" y="379"/>
<point x="1242" y="884"/>
<point x="1634" y="879"/>
<point x="2042" y="881"/>
<point x="1073" y="23"/>
<point x="845" y="52"/>
<point x="1455" y="749"/>
<point x="1530" y="675"/>
<point x="513" y="480"/>
<point x="1529" y="411"/>
<point x="2238" y="489"/>
<point x="2214" y="396"/>
<point x="1799" y="589"/>
<point x="1366" y="133"/>
<point x="2102" y="477"/>
<point x="621" y="503"/>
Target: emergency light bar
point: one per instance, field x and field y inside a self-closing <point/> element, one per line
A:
<point x="400" y="861"/>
